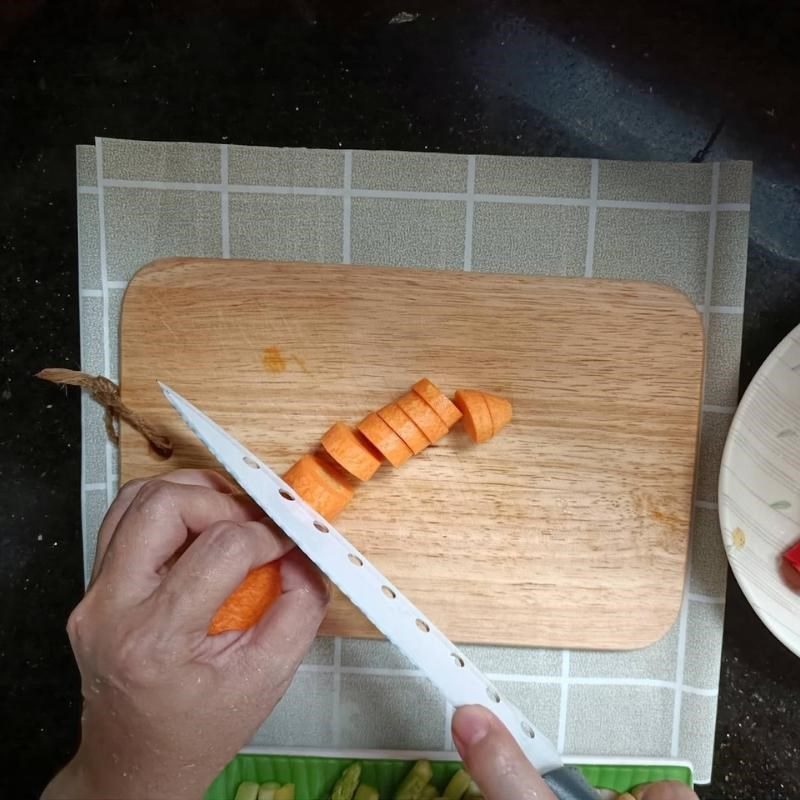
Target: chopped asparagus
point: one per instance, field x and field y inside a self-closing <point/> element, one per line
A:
<point x="429" y="792"/>
<point x="346" y="786"/>
<point x="285" y="792"/>
<point x="267" y="790"/>
<point x="474" y="791"/>
<point x="459" y="784"/>
<point x="366" y="792"/>
<point x="415" y="782"/>
<point x="247" y="791"/>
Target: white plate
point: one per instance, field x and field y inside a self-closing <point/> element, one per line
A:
<point x="759" y="491"/>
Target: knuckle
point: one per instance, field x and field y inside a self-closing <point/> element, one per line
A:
<point x="227" y="540"/>
<point x="77" y="627"/>
<point x="130" y="489"/>
<point x="155" y="492"/>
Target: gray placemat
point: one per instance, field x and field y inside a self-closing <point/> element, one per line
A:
<point x="682" y="224"/>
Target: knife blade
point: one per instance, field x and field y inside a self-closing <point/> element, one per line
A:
<point x="386" y="607"/>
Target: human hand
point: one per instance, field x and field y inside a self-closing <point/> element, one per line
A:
<point x="165" y="705"/>
<point x="500" y="768"/>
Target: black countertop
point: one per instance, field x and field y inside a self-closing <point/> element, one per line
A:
<point x="546" y="78"/>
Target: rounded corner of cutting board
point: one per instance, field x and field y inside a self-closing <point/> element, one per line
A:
<point x="677" y="298"/>
<point x="158" y="265"/>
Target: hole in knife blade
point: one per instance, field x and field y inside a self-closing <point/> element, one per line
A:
<point x="354" y="559"/>
<point x="423" y="626"/>
<point x="320" y="527"/>
<point x="493" y="695"/>
<point x="285" y="495"/>
<point x="457" y="658"/>
<point x="251" y="462"/>
<point x="388" y="592"/>
<point x="528" y="730"/>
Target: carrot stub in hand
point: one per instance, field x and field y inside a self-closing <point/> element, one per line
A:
<point x="351" y="451"/>
<point x="385" y="440"/>
<point x="438" y="401"/>
<point x="326" y="489"/>
<point x="251" y="598"/>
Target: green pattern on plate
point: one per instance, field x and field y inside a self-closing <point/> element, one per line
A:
<point x="314" y="777"/>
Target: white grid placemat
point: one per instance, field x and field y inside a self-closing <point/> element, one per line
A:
<point x="673" y="223"/>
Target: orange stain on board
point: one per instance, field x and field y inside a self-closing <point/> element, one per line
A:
<point x="272" y="360"/>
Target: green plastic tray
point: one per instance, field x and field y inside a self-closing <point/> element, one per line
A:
<point x="314" y="776"/>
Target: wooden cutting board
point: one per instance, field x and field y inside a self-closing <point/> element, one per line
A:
<point x="569" y="529"/>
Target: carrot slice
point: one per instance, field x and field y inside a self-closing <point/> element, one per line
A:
<point x="350" y="450"/>
<point x="245" y="605"/>
<point x="423" y="416"/>
<point x="477" y="419"/>
<point x="431" y="394"/>
<point x="404" y="427"/>
<point x="321" y="484"/>
<point x="499" y="410"/>
<point x="385" y="440"/>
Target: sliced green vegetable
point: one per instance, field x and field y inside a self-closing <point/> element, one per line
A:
<point x="474" y="791"/>
<point x="415" y="782"/>
<point x="285" y="792"/>
<point x="459" y="784"/>
<point x="366" y="792"/>
<point x="345" y="787"/>
<point x="429" y="792"/>
<point x="267" y="790"/>
<point x="247" y="791"/>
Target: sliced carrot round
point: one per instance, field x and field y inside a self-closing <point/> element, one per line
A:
<point x="351" y="450"/>
<point x="384" y="440"/>
<point x="438" y="401"/>
<point x="477" y="419"/>
<point x="245" y="605"/>
<point x="499" y="410"/>
<point x="423" y="416"/>
<point x="321" y="484"/>
<point x="404" y="427"/>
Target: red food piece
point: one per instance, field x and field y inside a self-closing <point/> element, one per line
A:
<point x="792" y="555"/>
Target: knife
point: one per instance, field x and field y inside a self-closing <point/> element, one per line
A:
<point x="386" y="607"/>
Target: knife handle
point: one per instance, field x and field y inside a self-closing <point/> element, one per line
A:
<point x="568" y="783"/>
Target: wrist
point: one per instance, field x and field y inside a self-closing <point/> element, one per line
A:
<point x="88" y="778"/>
<point x="71" y="783"/>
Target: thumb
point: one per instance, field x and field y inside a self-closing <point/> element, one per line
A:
<point x="494" y="759"/>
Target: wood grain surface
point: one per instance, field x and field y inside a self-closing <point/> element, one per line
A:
<point x="569" y="529"/>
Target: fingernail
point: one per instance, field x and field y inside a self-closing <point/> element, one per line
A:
<point x="471" y="724"/>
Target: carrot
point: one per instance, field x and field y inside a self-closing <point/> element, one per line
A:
<point x="499" y="410"/>
<point x="404" y="427"/>
<point x="321" y="484"/>
<point x="430" y="393"/>
<point x="385" y="440"/>
<point x="350" y="450"/>
<point x="477" y="419"/>
<point x="245" y="605"/>
<point x="425" y="418"/>
<point x="398" y="431"/>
